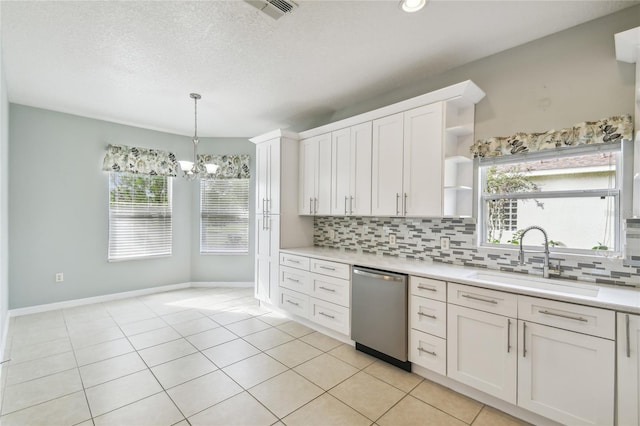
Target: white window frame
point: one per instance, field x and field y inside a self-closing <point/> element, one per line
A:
<point x="161" y="243"/>
<point x="621" y="192"/>
<point x="209" y="211"/>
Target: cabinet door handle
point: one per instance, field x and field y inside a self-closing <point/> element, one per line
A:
<point x="328" y="268"/>
<point x="351" y="205"/>
<point x="554" y="314"/>
<point x="345" y="205"/>
<point x="397" y="201"/>
<point x="427" y="288"/>
<point x="508" y="335"/>
<point x="468" y="296"/>
<point x="405" y="203"/>
<point x="268" y="205"/>
<point x="326" y="315"/>
<point x="422" y="314"/>
<point x="628" y="336"/>
<point x="293" y="303"/>
<point x="311" y="205"/>
<point x="524" y="340"/>
<point x="426" y="351"/>
<point x="332" y="290"/>
<point x="263" y="207"/>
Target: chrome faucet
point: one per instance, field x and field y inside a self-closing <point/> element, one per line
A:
<point x="545" y="267"/>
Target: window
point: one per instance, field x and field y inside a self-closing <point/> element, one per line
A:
<point x="139" y="216"/>
<point x="224" y="216"/>
<point x="575" y="194"/>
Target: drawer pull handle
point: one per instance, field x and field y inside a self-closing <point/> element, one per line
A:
<point x="328" y="268"/>
<point x="468" y="296"/>
<point x="426" y="351"/>
<point x="326" y="315"/>
<point x="524" y="340"/>
<point x="628" y="336"/>
<point x="422" y="314"/>
<point x="293" y="303"/>
<point x="293" y="280"/>
<point x="427" y="288"/>
<point x="293" y="261"/>
<point x="508" y="335"/>
<point x="332" y="290"/>
<point x="564" y="316"/>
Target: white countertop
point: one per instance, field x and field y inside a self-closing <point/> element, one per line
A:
<point x="610" y="297"/>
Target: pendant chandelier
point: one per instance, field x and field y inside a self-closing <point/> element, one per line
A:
<point x="192" y="170"/>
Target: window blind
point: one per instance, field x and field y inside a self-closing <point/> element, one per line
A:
<point x="139" y="216"/>
<point x="224" y="216"/>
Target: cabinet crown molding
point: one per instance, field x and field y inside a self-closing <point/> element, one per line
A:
<point x="274" y="134"/>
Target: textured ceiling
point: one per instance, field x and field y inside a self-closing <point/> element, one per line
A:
<point x="136" y="62"/>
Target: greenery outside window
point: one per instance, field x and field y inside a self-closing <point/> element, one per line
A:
<point x="140" y="223"/>
<point x="224" y="216"/>
<point x="575" y="194"/>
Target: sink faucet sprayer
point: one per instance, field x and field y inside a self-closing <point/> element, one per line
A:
<point x="545" y="267"/>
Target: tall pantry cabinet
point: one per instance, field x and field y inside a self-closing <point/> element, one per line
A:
<point x="276" y="203"/>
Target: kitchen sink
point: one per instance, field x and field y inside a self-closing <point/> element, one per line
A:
<point x="533" y="282"/>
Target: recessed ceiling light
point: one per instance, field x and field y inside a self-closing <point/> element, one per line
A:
<point x="412" y="5"/>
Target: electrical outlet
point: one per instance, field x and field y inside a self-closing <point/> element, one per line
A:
<point x="392" y="239"/>
<point x="59" y="277"/>
<point x="332" y="234"/>
<point x="444" y="243"/>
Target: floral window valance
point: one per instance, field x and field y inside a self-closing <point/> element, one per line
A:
<point x="144" y="161"/>
<point x="229" y="166"/>
<point x="607" y="130"/>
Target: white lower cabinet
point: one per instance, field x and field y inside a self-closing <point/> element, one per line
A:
<point x="566" y="376"/>
<point x="481" y="351"/>
<point x="628" y="340"/>
<point x="267" y="243"/>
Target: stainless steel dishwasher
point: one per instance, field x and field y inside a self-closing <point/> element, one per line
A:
<point x="379" y="314"/>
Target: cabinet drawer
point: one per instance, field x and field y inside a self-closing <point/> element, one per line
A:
<point x="299" y="262"/>
<point x="429" y="316"/>
<point x="429" y="288"/>
<point x="333" y="269"/>
<point x="295" y="279"/>
<point x="334" y="290"/>
<point x="428" y="351"/>
<point x="330" y="315"/>
<point x="583" y="319"/>
<point x="294" y="302"/>
<point x="495" y="302"/>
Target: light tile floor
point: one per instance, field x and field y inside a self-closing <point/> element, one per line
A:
<point x="207" y="357"/>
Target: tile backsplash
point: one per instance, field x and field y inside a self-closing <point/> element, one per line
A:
<point x="418" y="238"/>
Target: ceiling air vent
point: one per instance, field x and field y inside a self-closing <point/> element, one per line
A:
<point x="273" y="8"/>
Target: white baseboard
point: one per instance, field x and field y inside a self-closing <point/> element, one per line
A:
<point x="4" y="336"/>
<point x="204" y="284"/>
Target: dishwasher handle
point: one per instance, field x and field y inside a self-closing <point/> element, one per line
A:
<point x="379" y="276"/>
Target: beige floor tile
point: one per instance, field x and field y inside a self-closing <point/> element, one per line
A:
<point x="295" y="329"/>
<point x="285" y="393"/>
<point x="38" y="335"/>
<point x="350" y="355"/>
<point x="109" y="369"/>
<point x="195" y="326"/>
<point x="210" y="338"/>
<point x="143" y="326"/>
<point x="89" y="322"/>
<point x="156" y="410"/>
<point x="253" y="370"/>
<point x="181" y="423"/>
<point x="169" y="351"/>
<point x="230" y="352"/>
<point x="93" y="337"/>
<point x="154" y="337"/>
<point x="248" y="326"/>
<point x="395" y="376"/>
<point x="294" y="353"/>
<point x="120" y="392"/>
<point x="29" y="370"/>
<point x="41" y="320"/>
<point x="326" y="371"/>
<point x="445" y="399"/>
<point x="274" y="319"/>
<point x="133" y="314"/>
<point x="489" y="416"/>
<point x="368" y="395"/>
<point x="201" y="393"/>
<point x="183" y="369"/>
<point x="413" y="412"/>
<point x="326" y="411"/>
<point x="40" y="350"/>
<point x="182" y="316"/>
<point x="267" y="339"/>
<point x="228" y="317"/>
<point x="321" y="341"/>
<point x="40" y="390"/>
<point x="67" y="410"/>
<point x="103" y="351"/>
<point x="239" y="410"/>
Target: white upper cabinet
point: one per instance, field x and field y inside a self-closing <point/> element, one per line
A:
<point x="268" y="177"/>
<point x="351" y="171"/>
<point x="315" y="173"/>
<point x="386" y="166"/>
